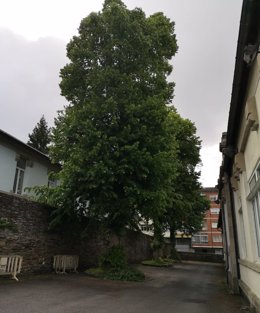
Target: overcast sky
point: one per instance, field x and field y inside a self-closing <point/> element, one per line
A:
<point x="33" y="38"/>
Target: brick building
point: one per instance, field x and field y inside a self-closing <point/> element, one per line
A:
<point x="209" y="239"/>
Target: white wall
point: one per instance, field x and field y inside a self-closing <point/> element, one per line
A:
<point x="250" y="261"/>
<point x="7" y="168"/>
<point x="36" y="173"/>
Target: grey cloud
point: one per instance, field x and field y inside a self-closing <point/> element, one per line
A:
<point x="206" y="31"/>
<point x="29" y="80"/>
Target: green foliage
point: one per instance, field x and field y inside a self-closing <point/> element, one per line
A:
<point x="5" y="224"/>
<point x="125" y="274"/>
<point x="113" y="259"/>
<point x="118" y="161"/>
<point x="113" y="265"/>
<point x="187" y="207"/>
<point x="40" y="136"/>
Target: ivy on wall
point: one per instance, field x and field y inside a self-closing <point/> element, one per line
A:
<point x="5" y="224"/>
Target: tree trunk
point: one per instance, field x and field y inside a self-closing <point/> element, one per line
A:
<point x="174" y="253"/>
<point x="158" y="241"/>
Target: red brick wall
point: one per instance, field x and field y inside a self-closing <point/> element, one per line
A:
<point x="208" y="220"/>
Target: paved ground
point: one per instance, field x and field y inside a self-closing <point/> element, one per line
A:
<point x="185" y="288"/>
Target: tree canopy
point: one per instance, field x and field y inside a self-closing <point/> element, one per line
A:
<point x="118" y="161"/>
<point x="188" y="206"/>
<point x="40" y="136"/>
<point x="126" y="154"/>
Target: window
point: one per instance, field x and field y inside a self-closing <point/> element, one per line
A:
<point x="214" y="210"/>
<point x="214" y="225"/>
<point x="19" y="175"/>
<point x="213" y="198"/>
<point x="217" y="238"/>
<point x="199" y="238"/>
<point x="254" y="196"/>
<point x="146" y="228"/>
<point x="256" y="211"/>
<point x="204" y="225"/>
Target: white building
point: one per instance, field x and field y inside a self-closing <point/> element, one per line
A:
<point x="239" y="182"/>
<point x="22" y="166"/>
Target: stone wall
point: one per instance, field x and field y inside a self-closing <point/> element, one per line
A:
<point x="29" y="235"/>
<point x="202" y="257"/>
<point x="31" y="238"/>
<point x="137" y="247"/>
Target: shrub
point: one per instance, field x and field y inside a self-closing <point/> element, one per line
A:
<point x="126" y="274"/>
<point x="113" y="265"/>
<point x="114" y="258"/>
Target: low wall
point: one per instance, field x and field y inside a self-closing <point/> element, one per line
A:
<point x="31" y="238"/>
<point x="29" y="235"/>
<point x="202" y="257"/>
<point x="137" y="247"/>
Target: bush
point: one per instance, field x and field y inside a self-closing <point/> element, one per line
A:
<point x="126" y="274"/>
<point x="114" y="258"/>
<point x="113" y="265"/>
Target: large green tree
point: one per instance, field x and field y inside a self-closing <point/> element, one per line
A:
<point x="40" y="136"/>
<point x="118" y="162"/>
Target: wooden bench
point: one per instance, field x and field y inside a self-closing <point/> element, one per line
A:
<point x="10" y="265"/>
<point x="65" y="262"/>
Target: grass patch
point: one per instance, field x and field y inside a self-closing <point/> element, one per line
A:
<point x="159" y="262"/>
<point x="124" y="274"/>
<point x="95" y="272"/>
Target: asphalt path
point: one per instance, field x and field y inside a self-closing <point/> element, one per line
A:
<point x="188" y="287"/>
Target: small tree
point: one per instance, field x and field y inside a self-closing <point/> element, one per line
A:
<point x="40" y="136"/>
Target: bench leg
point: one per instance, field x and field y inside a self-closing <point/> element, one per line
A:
<point x="14" y="277"/>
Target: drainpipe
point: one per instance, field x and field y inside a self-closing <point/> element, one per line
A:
<point x="224" y="230"/>
<point x="234" y="221"/>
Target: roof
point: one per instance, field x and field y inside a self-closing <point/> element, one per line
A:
<point x="210" y="189"/>
<point x="249" y="34"/>
<point x="10" y="140"/>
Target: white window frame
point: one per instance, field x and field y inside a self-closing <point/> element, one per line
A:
<point x="254" y="197"/>
<point x="204" y="225"/>
<point x="200" y="238"/>
<point x="214" y="225"/>
<point x="19" y="176"/>
<point x="256" y="217"/>
<point x="217" y="238"/>
<point x="214" y="210"/>
<point x="213" y="198"/>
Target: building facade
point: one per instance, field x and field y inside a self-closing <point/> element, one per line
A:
<point x="22" y="166"/>
<point x="209" y="239"/>
<point x="239" y="180"/>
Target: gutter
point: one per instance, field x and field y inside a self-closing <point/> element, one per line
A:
<point x="249" y="27"/>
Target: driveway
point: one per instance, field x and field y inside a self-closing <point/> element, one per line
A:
<point x="187" y="287"/>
